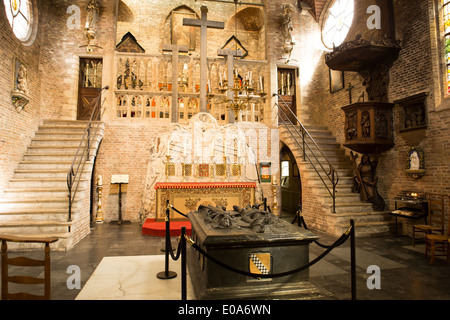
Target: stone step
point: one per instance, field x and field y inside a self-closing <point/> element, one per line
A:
<point x="67" y="123"/>
<point x="37" y="193"/>
<point x="368" y="228"/>
<point x="62" y="141"/>
<point x="39" y="183"/>
<point x="342" y="172"/>
<point x="54" y="149"/>
<point x="7" y="205"/>
<point x="59" y="135"/>
<point x="46" y="165"/>
<point x="34" y="227"/>
<point x="372" y="216"/>
<point x="55" y="213"/>
<point x="55" y="128"/>
<point x="50" y="157"/>
<point x="343" y="198"/>
<point x="314" y="131"/>
<point x="337" y="165"/>
<point x="323" y="152"/>
<point x="346" y="207"/>
<point x="296" y="137"/>
<point x="37" y="173"/>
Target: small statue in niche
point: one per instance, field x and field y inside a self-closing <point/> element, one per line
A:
<point x="288" y="28"/>
<point x="381" y="121"/>
<point x="365" y="124"/>
<point x="351" y="126"/>
<point x="365" y="181"/>
<point x="415" y="166"/>
<point x="287" y="23"/>
<point x="414" y="161"/>
<point x="22" y="84"/>
<point x="93" y="12"/>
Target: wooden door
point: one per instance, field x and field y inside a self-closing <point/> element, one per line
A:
<point x="89" y="86"/>
<point x="287" y="90"/>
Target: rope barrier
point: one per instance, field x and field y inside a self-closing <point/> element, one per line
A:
<point x="338" y="242"/>
<point x="177" y="211"/>
<point x="301" y="220"/>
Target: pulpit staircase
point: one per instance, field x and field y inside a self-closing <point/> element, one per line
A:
<point x="329" y="173"/>
<point x="49" y="194"/>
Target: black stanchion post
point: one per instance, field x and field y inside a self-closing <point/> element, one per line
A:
<point x="166" y="274"/>
<point x="183" y="265"/>
<point x="265" y="204"/>
<point x="353" y="258"/>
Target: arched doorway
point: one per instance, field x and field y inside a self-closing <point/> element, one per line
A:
<point x="291" y="185"/>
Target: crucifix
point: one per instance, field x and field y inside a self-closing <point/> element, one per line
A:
<point x="175" y="49"/>
<point x="349" y="89"/>
<point x="229" y="55"/>
<point x="204" y="24"/>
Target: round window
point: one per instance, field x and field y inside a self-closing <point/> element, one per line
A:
<point x="337" y="23"/>
<point x="19" y="13"/>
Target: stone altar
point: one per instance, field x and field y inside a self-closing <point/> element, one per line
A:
<point x="250" y="240"/>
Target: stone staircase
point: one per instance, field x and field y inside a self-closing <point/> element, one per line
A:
<point x="348" y="204"/>
<point x="36" y="200"/>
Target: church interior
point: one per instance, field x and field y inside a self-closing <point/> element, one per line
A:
<point x="260" y="126"/>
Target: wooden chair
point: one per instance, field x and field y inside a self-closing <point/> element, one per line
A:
<point x="435" y="219"/>
<point x="25" y="262"/>
<point x="433" y="240"/>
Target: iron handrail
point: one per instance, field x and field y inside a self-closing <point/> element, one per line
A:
<point x="331" y="173"/>
<point x="74" y="175"/>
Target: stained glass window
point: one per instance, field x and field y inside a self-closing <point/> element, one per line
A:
<point x="337" y="23"/>
<point x="19" y="17"/>
<point x="446" y="9"/>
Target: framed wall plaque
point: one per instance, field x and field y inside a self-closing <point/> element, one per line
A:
<point x="336" y="80"/>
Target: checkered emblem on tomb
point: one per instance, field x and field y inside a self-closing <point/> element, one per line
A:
<point x="260" y="263"/>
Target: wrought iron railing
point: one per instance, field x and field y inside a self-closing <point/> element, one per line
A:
<point x="83" y="153"/>
<point x="304" y="140"/>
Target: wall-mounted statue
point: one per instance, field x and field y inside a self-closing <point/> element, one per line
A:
<point x="288" y="29"/>
<point x="415" y="162"/>
<point x="93" y="12"/>
<point x="20" y="93"/>
<point x="365" y="181"/>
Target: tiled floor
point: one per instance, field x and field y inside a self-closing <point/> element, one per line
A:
<point x="405" y="273"/>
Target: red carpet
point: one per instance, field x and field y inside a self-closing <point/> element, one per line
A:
<point x="158" y="229"/>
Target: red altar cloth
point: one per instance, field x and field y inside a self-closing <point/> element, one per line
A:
<point x="201" y="185"/>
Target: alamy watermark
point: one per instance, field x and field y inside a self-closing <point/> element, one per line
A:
<point x="374" y="281"/>
<point x="74" y="280"/>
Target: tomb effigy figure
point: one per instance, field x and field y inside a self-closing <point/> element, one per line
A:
<point x="249" y="217"/>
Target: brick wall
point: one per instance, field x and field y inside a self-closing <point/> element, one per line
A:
<point x="418" y="69"/>
<point x="17" y="129"/>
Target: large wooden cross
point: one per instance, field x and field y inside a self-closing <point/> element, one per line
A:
<point x="175" y="49"/>
<point x="204" y="24"/>
<point x="229" y="55"/>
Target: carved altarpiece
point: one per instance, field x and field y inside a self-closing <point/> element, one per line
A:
<point x="199" y="163"/>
